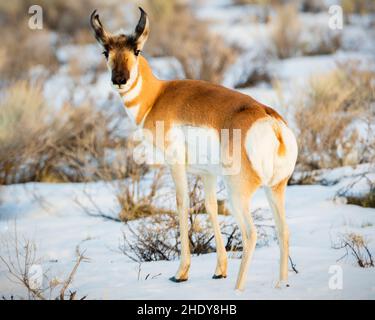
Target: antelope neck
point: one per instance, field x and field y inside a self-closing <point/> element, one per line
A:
<point x="142" y="94"/>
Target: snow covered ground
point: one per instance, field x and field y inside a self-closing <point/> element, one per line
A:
<point x="49" y="215"/>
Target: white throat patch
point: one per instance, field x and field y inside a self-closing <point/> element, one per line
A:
<point x="133" y="93"/>
<point x="133" y="112"/>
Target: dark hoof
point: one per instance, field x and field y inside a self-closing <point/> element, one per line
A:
<point x="218" y="276"/>
<point x="173" y="279"/>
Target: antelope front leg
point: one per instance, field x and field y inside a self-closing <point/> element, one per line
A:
<point x="209" y="183"/>
<point x="182" y="200"/>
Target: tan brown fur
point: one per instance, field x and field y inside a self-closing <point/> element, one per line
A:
<point x="147" y="98"/>
<point x="199" y="103"/>
<point x="281" y="151"/>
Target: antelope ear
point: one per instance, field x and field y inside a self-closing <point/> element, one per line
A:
<point x="100" y="34"/>
<point x="142" y="30"/>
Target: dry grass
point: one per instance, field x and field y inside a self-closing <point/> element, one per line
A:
<point x="363" y="199"/>
<point x="259" y="2"/>
<point x="323" y="41"/>
<point x="358" y="6"/>
<point x="305" y="5"/>
<point x="263" y="15"/>
<point x="39" y="144"/>
<point x="22" y="48"/>
<point x="176" y="32"/>
<point x="328" y="117"/>
<point x="158" y="238"/>
<point x="313" y="5"/>
<point x="134" y="202"/>
<point x="366" y="201"/>
<point x="141" y="194"/>
<point x="22" y="265"/>
<point x="153" y="239"/>
<point x="63" y="16"/>
<point x="136" y="196"/>
<point x="286" y="30"/>
<point x="356" y="245"/>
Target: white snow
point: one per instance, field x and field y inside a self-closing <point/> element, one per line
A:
<point x="57" y="224"/>
<point x="87" y="56"/>
<point x="167" y="68"/>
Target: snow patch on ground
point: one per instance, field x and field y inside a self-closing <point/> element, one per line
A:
<point x="57" y="225"/>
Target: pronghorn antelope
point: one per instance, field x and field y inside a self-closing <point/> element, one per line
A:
<point x="268" y="148"/>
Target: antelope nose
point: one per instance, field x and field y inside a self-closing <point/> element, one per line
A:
<point x="119" y="80"/>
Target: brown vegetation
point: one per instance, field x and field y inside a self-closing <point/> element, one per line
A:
<point x="176" y="32"/>
<point x="23" y="266"/>
<point x="286" y="30"/>
<point x="357" y="246"/>
<point x="72" y="144"/>
<point x="358" y="6"/>
<point x="327" y="115"/>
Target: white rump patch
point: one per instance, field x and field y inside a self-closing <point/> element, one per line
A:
<point x="262" y="148"/>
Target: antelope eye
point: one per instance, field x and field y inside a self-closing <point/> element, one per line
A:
<point x="105" y="53"/>
<point x="137" y="52"/>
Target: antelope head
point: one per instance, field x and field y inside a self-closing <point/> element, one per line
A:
<point x="122" y="51"/>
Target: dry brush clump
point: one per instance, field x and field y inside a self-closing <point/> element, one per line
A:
<point x="137" y="201"/>
<point x="158" y="238"/>
<point x="356" y="245"/>
<point x="151" y="231"/>
<point x="260" y="2"/>
<point x="319" y="39"/>
<point x="304" y="5"/>
<point x="152" y="239"/>
<point x="358" y="6"/>
<point x="286" y="30"/>
<point x="335" y="119"/>
<point x="23" y="266"/>
<point x="365" y="198"/>
<point x="313" y="5"/>
<point x="144" y="193"/>
<point x="73" y="144"/>
<point x="22" y="48"/>
<point x="63" y="16"/>
<point x="291" y="36"/>
<point x="137" y="196"/>
<point x="64" y="22"/>
<point x="177" y="32"/>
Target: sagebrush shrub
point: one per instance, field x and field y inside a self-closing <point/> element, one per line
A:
<point x="335" y="119"/>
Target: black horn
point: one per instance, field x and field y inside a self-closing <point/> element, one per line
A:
<point x="141" y="23"/>
<point x="142" y="30"/>
<point x="100" y="34"/>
